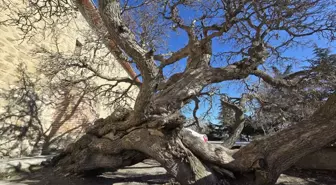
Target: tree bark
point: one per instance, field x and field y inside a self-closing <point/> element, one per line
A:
<point x="273" y="155"/>
<point x="239" y="122"/>
<point x="189" y="159"/>
<point x="237" y="128"/>
<point x="102" y="148"/>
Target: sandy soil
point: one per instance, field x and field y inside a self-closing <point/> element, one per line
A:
<point x="149" y="172"/>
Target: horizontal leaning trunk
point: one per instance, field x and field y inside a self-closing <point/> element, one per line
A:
<point x="108" y="146"/>
<point x="104" y="148"/>
<point x="279" y="152"/>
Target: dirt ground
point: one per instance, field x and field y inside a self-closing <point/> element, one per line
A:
<point x="148" y="172"/>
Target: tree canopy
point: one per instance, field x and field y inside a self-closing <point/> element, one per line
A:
<point x="214" y="41"/>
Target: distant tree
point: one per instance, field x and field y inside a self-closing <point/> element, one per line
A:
<point x="278" y="108"/>
<point x="283" y="107"/>
<point x="216" y="132"/>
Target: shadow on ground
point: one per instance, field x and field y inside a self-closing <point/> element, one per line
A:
<point x="142" y="173"/>
<point x="39" y="178"/>
<point x="147" y="172"/>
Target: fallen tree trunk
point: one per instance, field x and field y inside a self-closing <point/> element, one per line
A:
<point x="276" y="153"/>
<point x="189" y="159"/>
<point x="323" y="159"/>
<point x="102" y="148"/>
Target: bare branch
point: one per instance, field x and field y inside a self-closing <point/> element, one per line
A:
<point x="92" y="16"/>
<point x="175" y="17"/>
<point x="197" y="101"/>
<point x="277" y="82"/>
<point x="174" y="57"/>
<point x="123" y="36"/>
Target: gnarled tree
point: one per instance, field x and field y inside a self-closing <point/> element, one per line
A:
<point x="316" y="85"/>
<point x="258" y="32"/>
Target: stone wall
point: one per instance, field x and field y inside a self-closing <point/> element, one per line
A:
<point x="14" y="50"/>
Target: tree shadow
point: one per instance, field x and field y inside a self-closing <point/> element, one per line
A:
<point x="24" y="130"/>
<point x="47" y="176"/>
<point x="19" y="169"/>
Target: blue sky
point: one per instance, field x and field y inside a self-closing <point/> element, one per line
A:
<point x="177" y="39"/>
<point x="233" y="88"/>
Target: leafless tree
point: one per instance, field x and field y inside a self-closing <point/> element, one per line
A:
<point x="153" y="128"/>
<point x="316" y="85"/>
<point x="273" y="108"/>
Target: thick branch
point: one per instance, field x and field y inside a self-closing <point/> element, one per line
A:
<point x="277" y="82"/>
<point x="175" y="17"/>
<point x="215" y="154"/>
<point x="175" y="56"/>
<point x="125" y="39"/>
<point x="102" y="76"/>
<point x="238" y="126"/>
<point x="289" y="145"/>
<point x="91" y="15"/>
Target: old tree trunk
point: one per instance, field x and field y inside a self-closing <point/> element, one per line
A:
<point x="115" y="142"/>
<point x="153" y="129"/>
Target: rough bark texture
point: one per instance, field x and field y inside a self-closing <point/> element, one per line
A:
<point x="280" y="151"/>
<point x="153" y="128"/>
<point x="239" y="118"/>
<point x="236" y="132"/>
<point x="189" y="159"/>
<point x="102" y="148"/>
<point x="323" y="159"/>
